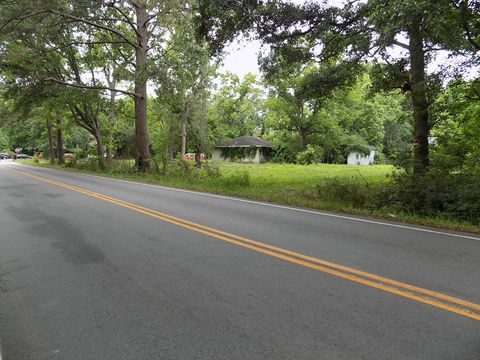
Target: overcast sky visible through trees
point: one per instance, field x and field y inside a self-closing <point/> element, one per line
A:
<point x="241" y="56"/>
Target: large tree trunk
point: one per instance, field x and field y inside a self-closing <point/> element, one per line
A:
<point x="109" y="155"/>
<point x="298" y="124"/>
<point x="303" y="139"/>
<point x="168" y="149"/>
<point x="112" y="115"/>
<point x="141" y="133"/>
<point x="101" y="159"/>
<point x="171" y="133"/>
<point x="198" y="154"/>
<point x="419" y="100"/>
<point x="111" y="119"/>
<point x="51" y="150"/>
<point x="59" y="139"/>
<point x="184" y="132"/>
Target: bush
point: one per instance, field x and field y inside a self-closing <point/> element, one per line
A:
<point x="90" y="164"/>
<point x="439" y="192"/>
<point x="380" y="158"/>
<point x="185" y="170"/>
<point x="355" y="193"/>
<point x="311" y="155"/>
<point x="238" y="153"/>
<point x="70" y="163"/>
<point x="283" y="153"/>
<point x="122" y="167"/>
<point x="180" y="168"/>
<point x="80" y="153"/>
<point x="211" y="171"/>
<point x="239" y="179"/>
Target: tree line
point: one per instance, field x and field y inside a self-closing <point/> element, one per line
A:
<point x="334" y="78"/>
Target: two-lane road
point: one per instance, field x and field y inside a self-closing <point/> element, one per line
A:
<point x="96" y="268"/>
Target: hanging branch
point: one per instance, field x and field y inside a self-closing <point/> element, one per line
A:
<point x="81" y="86"/>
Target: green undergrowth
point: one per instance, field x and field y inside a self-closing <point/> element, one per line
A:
<point x="359" y="190"/>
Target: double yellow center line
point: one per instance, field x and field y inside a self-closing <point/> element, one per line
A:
<point x="439" y="300"/>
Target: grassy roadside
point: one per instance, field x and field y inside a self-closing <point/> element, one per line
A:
<point x="339" y="188"/>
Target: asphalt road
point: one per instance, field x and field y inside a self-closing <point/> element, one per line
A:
<point x="95" y="268"/>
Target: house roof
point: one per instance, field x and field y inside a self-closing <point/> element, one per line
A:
<point x="247" y="141"/>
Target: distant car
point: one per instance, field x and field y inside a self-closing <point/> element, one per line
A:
<point x="69" y="155"/>
<point x="23" y="156"/>
<point x="4" y="156"/>
<point x="191" y="156"/>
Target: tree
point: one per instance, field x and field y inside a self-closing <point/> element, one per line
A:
<point x="299" y="94"/>
<point x="300" y="33"/>
<point x="288" y="112"/>
<point x="183" y="79"/>
<point x="427" y="26"/>
<point x="4" y="141"/>
<point x="237" y="108"/>
<point x="32" y="61"/>
<point x="457" y="126"/>
<point x="135" y="27"/>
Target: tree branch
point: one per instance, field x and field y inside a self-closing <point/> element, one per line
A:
<point x="79" y="118"/>
<point x="74" y="43"/>
<point x="402" y="45"/>
<point x="470" y="37"/>
<point x="125" y="16"/>
<point x="81" y="86"/>
<point x="94" y="24"/>
<point x="19" y="19"/>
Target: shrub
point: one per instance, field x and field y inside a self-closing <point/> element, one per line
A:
<point x="70" y="163"/>
<point x="311" y="155"/>
<point x="238" y="153"/>
<point x="358" y="148"/>
<point x="380" y="158"/>
<point x="185" y="170"/>
<point x="90" y="164"/>
<point x="121" y="167"/>
<point x="439" y="192"/>
<point x="180" y="168"/>
<point x="240" y="179"/>
<point x="211" y="171"/>
<point x="283" y="153"/>
<point x="355" y="192"/>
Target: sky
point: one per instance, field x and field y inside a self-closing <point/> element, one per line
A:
<point x="241" y="57"/>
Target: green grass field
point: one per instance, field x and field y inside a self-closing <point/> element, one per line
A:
<point x="298" y="184"/>
<point x="306" y="175"/>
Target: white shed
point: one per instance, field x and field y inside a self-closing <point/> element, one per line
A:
<point x="357" y="158"/>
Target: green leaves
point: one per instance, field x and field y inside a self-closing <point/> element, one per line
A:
<point x="237" y="109"/>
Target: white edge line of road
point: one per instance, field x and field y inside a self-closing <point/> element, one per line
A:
<point x="280" y="206"/>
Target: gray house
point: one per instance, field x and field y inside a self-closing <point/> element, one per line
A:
<point x="249" y="149"/>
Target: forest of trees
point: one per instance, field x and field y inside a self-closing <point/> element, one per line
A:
<point x="140" y="79"/>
